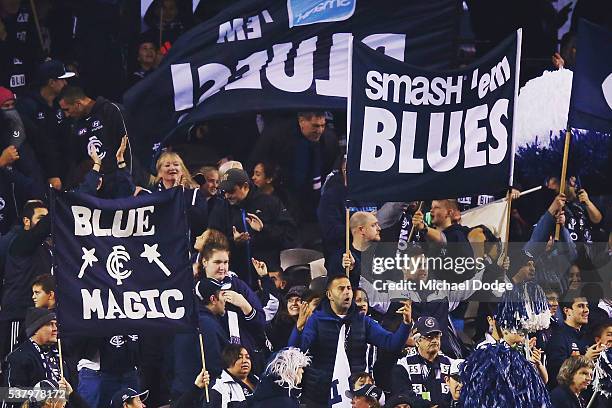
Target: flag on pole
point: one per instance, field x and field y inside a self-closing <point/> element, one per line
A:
<point x="492" y="215"/>
<point x="591" y="101"/>
<point x="421" y="134"/>
<point x="342" y="372"/>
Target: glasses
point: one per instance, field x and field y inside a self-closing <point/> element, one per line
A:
<point x="432" y="336"/>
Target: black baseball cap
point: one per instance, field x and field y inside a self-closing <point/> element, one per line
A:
<point x="427" y="325"/>
<point x="199" y="178"/>
<point x="206" y="287"/>
<point x="367" y="390"/>
<point x="52" y="69"/>
<point x="297" y="290"/>
<point x="233" y="178"/>
<point x="411" y="399"/>
<point x="125" y="394"/>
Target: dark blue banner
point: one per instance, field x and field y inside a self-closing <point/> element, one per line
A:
<point x="418" y="134"/>
<point x="268" y="54"/>
<point x="591" y="102"/>
<point x="122" y="265"/>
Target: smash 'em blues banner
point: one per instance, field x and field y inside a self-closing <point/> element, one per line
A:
<point x="419" y="134"/>
<point x="591" y="101"/>
<point x="122" y="265"/>
<point x="273" y="54"/>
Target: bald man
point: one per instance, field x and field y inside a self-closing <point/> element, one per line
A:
<point x="365" y="233"/>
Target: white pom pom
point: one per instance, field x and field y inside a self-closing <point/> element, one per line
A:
<point x="543" y="106"/>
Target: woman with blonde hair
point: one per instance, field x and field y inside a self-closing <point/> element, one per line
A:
<point x="172" y="172"/>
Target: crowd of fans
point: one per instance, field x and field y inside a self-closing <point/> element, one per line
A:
<point x="272" y="326"/>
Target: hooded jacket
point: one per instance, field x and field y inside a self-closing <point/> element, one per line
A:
<point x="320" y="338"/>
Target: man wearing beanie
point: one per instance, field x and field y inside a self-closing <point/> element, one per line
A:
<point x="37" y="358"/>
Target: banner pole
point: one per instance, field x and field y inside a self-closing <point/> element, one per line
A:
<point x="568" y="136"/>
<point x="37" y="24"/>
<point x="61" y="359"/>
<point x="203" y="365"/>
<point x="161" y="23"/>
<point x="508" y="213"/>
<point x="593" y="399"/>
<point x="412" y="228"/>
<point x="347" y="217"/>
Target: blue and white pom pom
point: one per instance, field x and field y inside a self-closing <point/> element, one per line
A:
<point x="498" y="376"/>
<point x="524" y="308"/>
<point x="538" y="311"/>
<point x="602" y="381"/>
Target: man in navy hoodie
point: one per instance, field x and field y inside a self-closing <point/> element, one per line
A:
<point x="244" y="318"/>
<point x="211" y="311"/>
<point x="320" y="338"/>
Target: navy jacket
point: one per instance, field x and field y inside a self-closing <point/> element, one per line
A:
<point x="49" y="144"/>
<point x="320" y="338"/>
<point x="197" y="210"/>
<point x="28" y="256"/>
<point x="15" y="189"/>
<point x="278" y="233"/>
<point x="25" y="367"/>
<point x="269" y="394"/>
<point x="123" y="186"/>
<point x="562" y="397"/>
<point x="216" y="339"/>
<point x="564" y="341"/>
<point x="252" y="327"/>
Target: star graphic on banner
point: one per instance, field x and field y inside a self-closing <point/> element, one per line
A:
<point x="88" y="259"/>
<point x="150" y="252"/>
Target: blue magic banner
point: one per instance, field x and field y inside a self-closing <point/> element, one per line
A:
<point x="259" y="55"/>
<point x="418" y="134"/>
<point x="122" y="265"/>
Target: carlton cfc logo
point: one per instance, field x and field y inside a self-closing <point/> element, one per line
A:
<point x="429" y="322"/>
<point x="115" y="264"/>
<point x="95" y="144"/>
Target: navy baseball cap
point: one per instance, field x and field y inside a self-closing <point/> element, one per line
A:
<point x="367" y="390"/>
<point x="52" y="69"/>
<point x="233" y="178"/>
<point x="427" y="325"/>
<point x="205" y="288"/>
<point x="297" y="290"/>
<point x="125" y="394"/>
